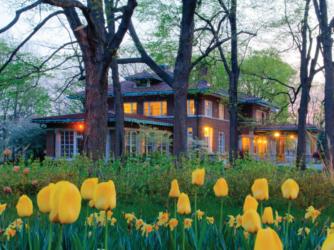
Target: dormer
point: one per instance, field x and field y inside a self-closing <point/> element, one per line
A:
<point x="144" y="79"/>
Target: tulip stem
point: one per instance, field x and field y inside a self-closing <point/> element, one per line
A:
<point x="287" y="224"/>
<point x="183" y="237"/>
<point x="196" y="214"/>
<point x="221" y="215"/>
<point x="28" y="232"/>
<point x="175" y="207"/>
<point x="106" y="234"/>
<point x="175" y="214"/>
<point x="50" y="236"/>
<point x="60" y="243"/>
<point x="86" y="228"/>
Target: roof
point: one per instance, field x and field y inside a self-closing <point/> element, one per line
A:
<point x="146" y="75"/>
<point x="246" y="99"/>
<point x="285" y="127"/>
<point x="79" y="117"/>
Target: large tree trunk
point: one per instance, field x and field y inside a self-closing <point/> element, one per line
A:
<point x="119" y="112"/>
<point x="96" y="111"/>
<point x="233" y="85"/>
<point x="181" y="77"/>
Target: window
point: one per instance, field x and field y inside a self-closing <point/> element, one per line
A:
<point x="191" y="107"/>
<point x="221" y="111"/>
<point x="163" y="145"/>
<point x="208" y="108"/>
<point x="260" y="116"/>
<point x="155" y="108"/>
<point x="130" y="142"/>
<point x="208" y="132"/>
<point x="221" y="142"/>
<point x="190" y="136"/>
<point x="149" y="144"/>
<point x="130" y="107"/>
<point x="66" y="144"/>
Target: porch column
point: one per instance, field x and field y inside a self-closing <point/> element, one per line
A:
<point x="107" y="157"/>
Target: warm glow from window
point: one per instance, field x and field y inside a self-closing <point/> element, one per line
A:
<point x="277" y="134"/>
<point x="206" y="131"/>
<point x="221" y="111"/>
<point x="130" y="107"/>
<point x="80" y="127"/>
<point x="155" y="108"/>
<point x="191" y="107"/>
<point x="292" y="136"/>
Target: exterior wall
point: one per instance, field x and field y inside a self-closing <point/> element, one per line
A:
<point x="50" y="143"/>
<point x="249" y="111"/>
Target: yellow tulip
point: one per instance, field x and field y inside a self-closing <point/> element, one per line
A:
<point x="268" y="216"/>
<point x="267" y="239"/>
<point x="65" y="203"/>
<point x="174" y="189"/>
<point x="221" y="188"/>
<point x="260" y="189"/>
<point x="251" y="221"/>
<point x="183" y="204"/>
<point x="328" y="243"/>
<point x="87" y="188"/>
<point x="250" y="203"/>
<point x="290" y="189"/>
<point x="24" y="206"/>
<point x="44" y="198"/>
<point x="2" y="208"/>
<point x="198" y="176"/>
<point x="105" y="195"/>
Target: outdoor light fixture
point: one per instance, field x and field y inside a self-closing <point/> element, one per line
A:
<point x="80" y="127"/>
<point x="277" y="134"/>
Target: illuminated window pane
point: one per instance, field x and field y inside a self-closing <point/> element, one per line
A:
<point x="191" y="107"/>
<point x="221" y="111"/>
<point x="130" y="107"/>
<point x="155" y="108"/>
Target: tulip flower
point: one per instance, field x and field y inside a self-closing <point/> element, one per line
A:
<point x="250" y="203"/>
<point x="2" y="208"/>
<point x="24" y="206"/>
<point x="88" y="187"/>
<point x="328" y="243"/>
<point x="44" y="198"/>
<point x="220" y="188"/>
<point x="105" y="195"/>
<point x="290" y="189"/>
<point x="65" y="203"/>
<point x="251" y="221"/>
<point x="183" y="204"/>
<point x="260" y="189"/>
<point x="174" y="189"/>
<point x="198" y="176"/>
<point x="267" y="239"/>
<point x="268" y="216"/>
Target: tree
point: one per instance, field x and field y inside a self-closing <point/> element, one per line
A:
<point x="98" y="47"/>
<point x="326" y="26"/>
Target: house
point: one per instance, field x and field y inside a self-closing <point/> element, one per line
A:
<point x="148" y="108"/>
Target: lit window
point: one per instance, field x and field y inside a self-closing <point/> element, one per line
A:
<point x="130" y="107"/>
<point x="191" y="107"/>
<point x="221" y="111"/>
<point x="130" y="141"/>
<point x="208" y="133"/>
<point x="66" y="144"/>
<point x="155" y="108"/>
<point x="208" y="108"/>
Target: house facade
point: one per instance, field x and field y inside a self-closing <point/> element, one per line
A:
<point x="149" y="112"/>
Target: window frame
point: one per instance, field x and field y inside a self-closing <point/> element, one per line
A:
<point x="133" y="107"/>
<point x="208" y="108"/>
<point x="149" y="108"/>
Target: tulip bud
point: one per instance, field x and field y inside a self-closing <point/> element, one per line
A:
<point x="2" y="208"/>
<point x="268" y="216"/>
<point x="88" y="187"/>
<point x="221" y="188"/>
<point x="268" y="239"/>
<point x="183" y="204"/>
<point x="290" y="189"/>
<point x="24" y="206"/>
<point x="174" y="189"/>
<point x="250" y="203"/>
<point x="44" y="198"/>
<point x="198" y="176"/>
<point x="65" y="203"/>
<point x="260" y="189"/>
<point x="328" y="243"/>
<point x="105" y="195"/>
<point x="251" y="221"/>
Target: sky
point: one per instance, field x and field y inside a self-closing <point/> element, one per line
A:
<point x="54" y="34"/>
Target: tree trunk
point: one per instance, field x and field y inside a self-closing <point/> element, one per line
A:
<point x="119" y="112"/>
<point x="233" y="87"/>
<point x="181" y="77"/>
<point x="96" y="111"/>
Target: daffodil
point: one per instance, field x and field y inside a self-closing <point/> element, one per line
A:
<point x="187" y="223"/>
<point x="199" y="214"/>
<point x="210" y="219"/>
<point x="163" y="218"/>
<point x="267" y="239"/>
<point x="129" y="217"/>
<point x="173" y="223"/>
<point x="231" y="221"/>
<point x="303" y="230"/>
<point x="146" y="229"/>
<point x="139" y="224"/>
<point x="312" y="213"/>
<point x="260" y="189"/>
<point x="289" y="218"/>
